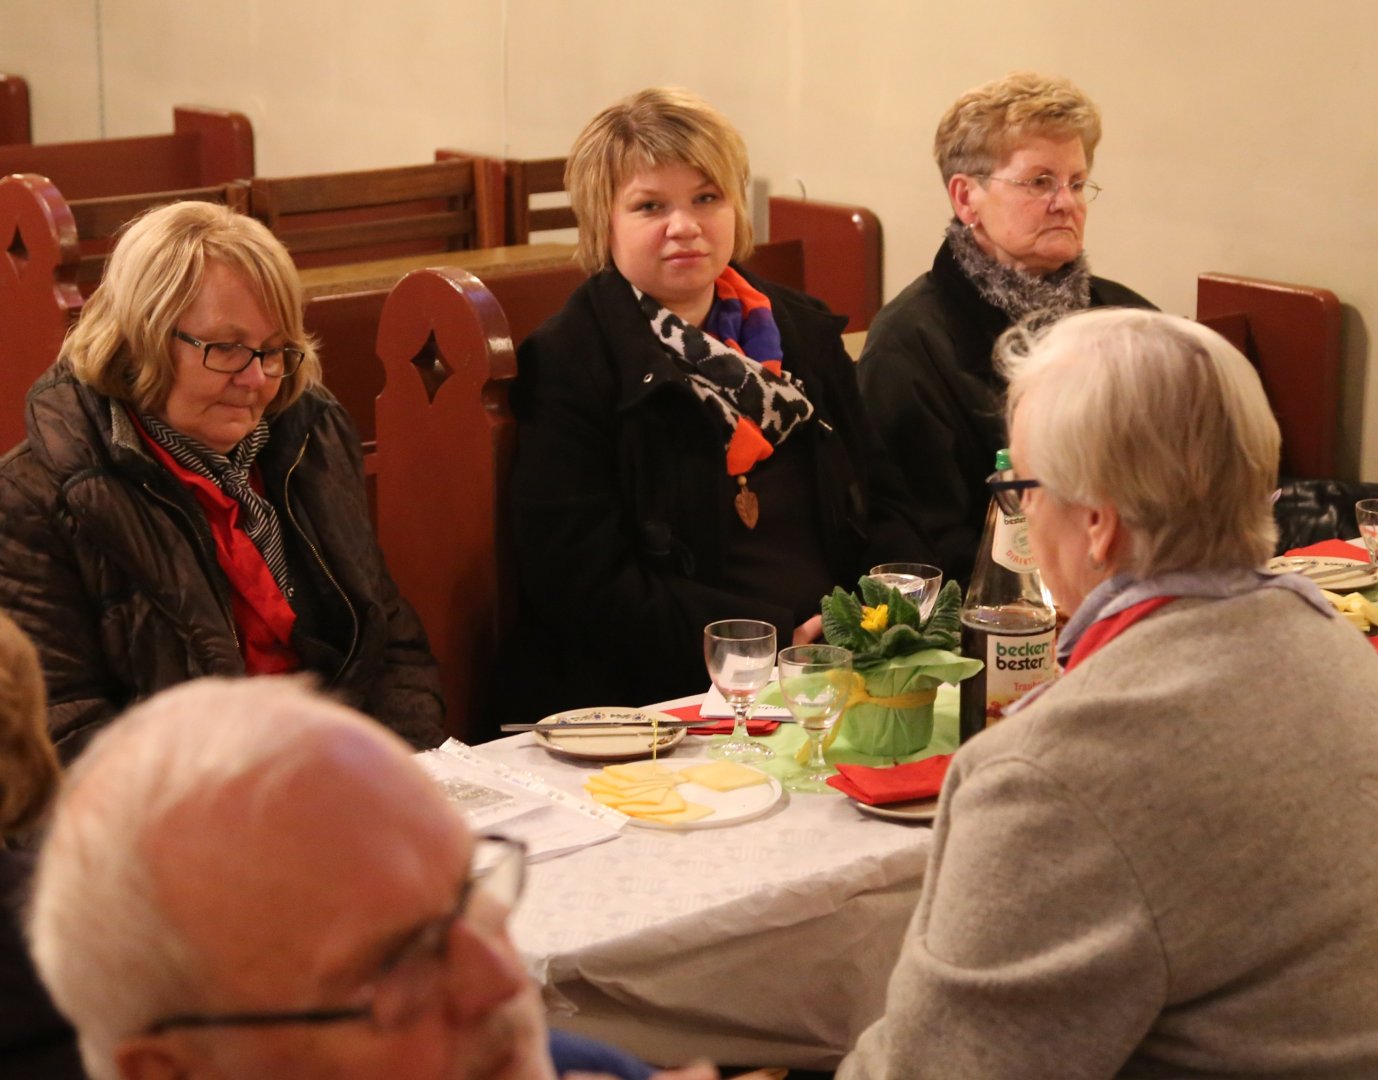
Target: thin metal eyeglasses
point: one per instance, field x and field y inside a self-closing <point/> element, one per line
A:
<point x="1008" y="492"/>
<point x="1047" y="187"/>
<point x="230" y="358"/>
<point x="409" y="980"/>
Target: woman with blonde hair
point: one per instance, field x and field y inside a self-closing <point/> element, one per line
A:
<point x="691" y="445"/>
<point x="189" y="500"/>
<point x="1153" y="866"/>
<point x="35" y="1041"/>
<point x="1015" y="155"/>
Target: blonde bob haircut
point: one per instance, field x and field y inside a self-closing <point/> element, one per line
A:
<point x="28" y="764"/>
<point x="122" y="344"/>
<point x="659" y="126"/>
<point x="983" y="127"/>
<point x="1159" y="417"/>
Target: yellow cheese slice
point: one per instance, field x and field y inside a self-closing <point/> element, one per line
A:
<point x="723" y="775"/>
<point x="638" y="770"/>
<point x="691" y="812"/>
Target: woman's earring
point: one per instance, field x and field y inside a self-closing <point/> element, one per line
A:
<point x="1094" y="563"/>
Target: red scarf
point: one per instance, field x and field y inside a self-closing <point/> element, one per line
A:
<point x="263" y="617"/>
<point x="1103" y="631"/>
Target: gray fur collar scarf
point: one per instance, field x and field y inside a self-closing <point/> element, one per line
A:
<point x="1016" y="293"/>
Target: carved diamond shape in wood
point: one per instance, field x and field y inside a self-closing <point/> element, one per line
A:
<point x="16" y="249"/>
<point x="431" y="366"/>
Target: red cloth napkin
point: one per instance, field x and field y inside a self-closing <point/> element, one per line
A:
<point x="898" y="783"/>
<point x="720" y="727"/>
<point x="1331" y="549"/>
<point x="1334" y="549"/>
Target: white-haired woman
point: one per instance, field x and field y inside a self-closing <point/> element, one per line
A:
<point x="1159" y="865"/>
<point x="1016" y="156"/>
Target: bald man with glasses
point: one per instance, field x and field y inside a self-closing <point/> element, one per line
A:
<point x="246" y="880"/>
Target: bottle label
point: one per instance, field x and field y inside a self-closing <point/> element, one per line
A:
<point x="1015" y="664"/>
<point x="1010" y="546"/>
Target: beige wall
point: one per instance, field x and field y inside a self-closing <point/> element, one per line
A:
<point x="1239" y="135"/>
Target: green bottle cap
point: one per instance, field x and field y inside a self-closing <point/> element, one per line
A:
<point x="1002" y="460"/>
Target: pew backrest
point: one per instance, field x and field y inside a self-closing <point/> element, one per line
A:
<point x="334" y="218"/>
<point x="1291" y="334"/>
<point x="843" y="254"/>
<point x="38" y="290"/>
<point x="15" y="126"/>
<point x="444" y="451"/>
<point x="206" y="147"/>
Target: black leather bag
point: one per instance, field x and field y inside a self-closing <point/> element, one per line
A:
<point x="1309" y="511"/>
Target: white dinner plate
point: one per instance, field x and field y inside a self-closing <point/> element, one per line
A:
<point x="912" y="811"/>
<point x="1327" y="572"/>
<point x="608" y="744"/>
<point x="729" y="807"/>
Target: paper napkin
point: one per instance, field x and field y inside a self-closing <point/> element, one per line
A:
<point x="898" y="783"/>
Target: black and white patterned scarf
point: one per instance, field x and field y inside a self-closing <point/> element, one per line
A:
<point x="230" y="473"/>
<point x="731" y="384"/>
<point x="1019" y="294"/>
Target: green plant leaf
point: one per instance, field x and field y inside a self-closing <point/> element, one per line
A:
<point x="873" y="592"/>
<point x="899" y="641"/>
<point x="943" y="630"/>
<point x="842" y="622"/>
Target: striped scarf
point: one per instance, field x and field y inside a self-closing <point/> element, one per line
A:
<point x="230" y="472"/>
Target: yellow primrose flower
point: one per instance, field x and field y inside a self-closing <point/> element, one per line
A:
<point x="875" y="618"/>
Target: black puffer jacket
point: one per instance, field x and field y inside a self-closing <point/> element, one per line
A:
<point x="932" y="390"/>
<point x="106" y="560"/>
<point x="621" y="513"/>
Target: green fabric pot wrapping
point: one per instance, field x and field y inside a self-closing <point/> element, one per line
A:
<point x="893" y="716"/>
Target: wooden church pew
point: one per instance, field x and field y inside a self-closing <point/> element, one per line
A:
<point x="14" y="110"/>
<point x="205" y="147"/>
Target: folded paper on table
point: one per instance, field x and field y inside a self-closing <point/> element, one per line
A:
<point x="715" y="707"/>
<point x="720" y="727"/>
<point x="899" y="783"/>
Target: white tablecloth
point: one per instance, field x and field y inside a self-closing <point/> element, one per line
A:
<point x="768" y="942"/>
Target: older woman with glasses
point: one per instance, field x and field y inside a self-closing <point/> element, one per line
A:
<point x="1016" y="157"/>
<point x="189" y="500"/>
<point x="1155" y="866"/>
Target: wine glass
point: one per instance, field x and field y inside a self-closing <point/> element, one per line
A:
<point x="740" y="654"/>
<point x="815" y="681"/>
<point x="918" y="583"/>
<point x="1366" y="513"/>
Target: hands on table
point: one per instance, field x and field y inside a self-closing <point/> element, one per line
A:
<point x="807" y="633"/>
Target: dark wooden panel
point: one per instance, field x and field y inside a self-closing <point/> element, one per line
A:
<point x="14" y="110"/>
<point x="842" y="254"/>
<point x="1291" y="333"/>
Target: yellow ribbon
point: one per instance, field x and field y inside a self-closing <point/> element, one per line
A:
<point x="913" y="700"/>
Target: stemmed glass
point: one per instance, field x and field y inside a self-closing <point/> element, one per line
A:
<point x="918" y="583"/>
<point x="740" y="654"/>
<point x="815" y="681"/>
<point x="1366" y="513"/>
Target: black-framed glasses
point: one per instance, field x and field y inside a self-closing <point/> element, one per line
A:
<point x="1046" y="187"/>
<point x="411" y="979"/>
<point x="1008" y="492"/>
<point x="230" y="358"/>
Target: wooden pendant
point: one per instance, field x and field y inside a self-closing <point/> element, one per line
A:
<point x="748" y="508"/>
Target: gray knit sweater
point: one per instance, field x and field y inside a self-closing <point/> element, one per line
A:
<point x="1166" y="867"/>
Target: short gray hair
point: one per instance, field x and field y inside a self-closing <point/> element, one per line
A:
<point x="111" y="959"/>
<point x="1159" y="417"/>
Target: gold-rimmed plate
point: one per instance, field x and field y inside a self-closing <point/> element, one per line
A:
<point x="607" y="744"/>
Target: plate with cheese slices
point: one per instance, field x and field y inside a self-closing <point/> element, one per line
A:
<point x="608" y="743"/>
<point x="688" y="793"/>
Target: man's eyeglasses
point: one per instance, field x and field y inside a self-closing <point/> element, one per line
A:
<point x="1008" y="492"/>
<point x="229" y="358"/>
<point x="411" y="979"/>
<point x="1046" y="187"/>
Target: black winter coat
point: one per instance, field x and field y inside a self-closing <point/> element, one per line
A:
<point x="107" y="562"/>
<point x="929" y="382"/>
<point x="620" y="510"/>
